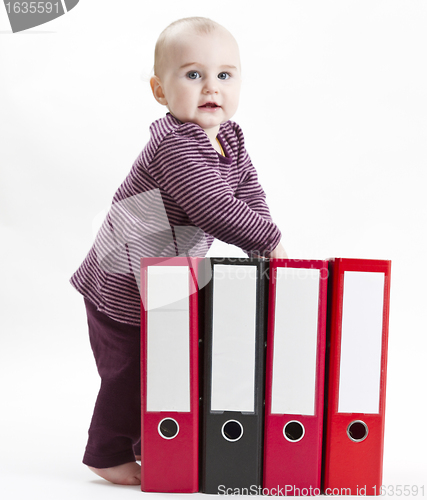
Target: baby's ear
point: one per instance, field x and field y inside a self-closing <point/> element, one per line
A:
<point x="156" y="87"/>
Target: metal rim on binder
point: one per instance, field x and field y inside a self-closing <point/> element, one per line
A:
<point x="293" y="433"/>
<point x="357" y="428"/>
<point x="224" y="432"/>
<point x="164" y="430"/>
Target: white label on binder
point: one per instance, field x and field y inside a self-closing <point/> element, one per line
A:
<point x="361" y="339"/>
<point x="233" y="338"/>
<point x="168" y="339"/>
<point x="295" y="341"/>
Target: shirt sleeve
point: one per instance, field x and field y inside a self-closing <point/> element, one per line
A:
<point x="249" y="189"/>
<point x="251" y="192"/>
<point x="186" y="167"/>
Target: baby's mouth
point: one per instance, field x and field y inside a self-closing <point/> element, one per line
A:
<point x="210" y="105"/>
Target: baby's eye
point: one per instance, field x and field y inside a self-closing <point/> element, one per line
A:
<point x="193" y="75"/>
<point x="224" y="76"/>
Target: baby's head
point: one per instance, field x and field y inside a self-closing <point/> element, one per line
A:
<point x="197" y="72"/>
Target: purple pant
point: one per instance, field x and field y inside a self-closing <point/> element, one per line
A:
<point x="115" y="430"/>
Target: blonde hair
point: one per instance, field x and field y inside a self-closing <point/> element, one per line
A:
<point x="196" y="24"/>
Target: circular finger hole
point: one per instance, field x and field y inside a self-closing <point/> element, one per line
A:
<point x="168" y="428"/>
<point x="294" y="431"/>
<point x="232" y="430"/>
<point x="357" y="431"/>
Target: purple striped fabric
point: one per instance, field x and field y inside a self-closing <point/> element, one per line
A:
<point x="179" y="195"/>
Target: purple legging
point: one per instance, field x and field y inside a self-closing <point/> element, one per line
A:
<point x="115" y="430"/>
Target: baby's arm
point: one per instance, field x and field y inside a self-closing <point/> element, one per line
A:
<point x="185" y="169"/>
<point x="250" y="191"/>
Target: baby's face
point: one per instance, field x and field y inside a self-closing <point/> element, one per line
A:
<point x="200" y="78"/>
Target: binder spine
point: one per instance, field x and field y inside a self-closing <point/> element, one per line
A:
<point x="295" y="376"/>
<point x="232" y="439"/>
<point x="169" y="375"/>
<point x="355" y="411"/>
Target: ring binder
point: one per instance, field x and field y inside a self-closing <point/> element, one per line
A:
<point x="169" y="375"/>
<point x="295" y="375"/>
<point x="234" y="337"/>
<point x="359" y="291"/>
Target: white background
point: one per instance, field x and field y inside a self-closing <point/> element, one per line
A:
<point x="334" y="111"/>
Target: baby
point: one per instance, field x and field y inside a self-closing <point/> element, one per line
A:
<point x="193" y="182"/>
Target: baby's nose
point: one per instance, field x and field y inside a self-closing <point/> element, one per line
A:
<point x="211" y="86"/>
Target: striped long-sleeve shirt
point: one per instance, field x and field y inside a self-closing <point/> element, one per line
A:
<point x="179" y="195"/>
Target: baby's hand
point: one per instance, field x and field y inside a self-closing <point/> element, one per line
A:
<point x="278" y="253"/>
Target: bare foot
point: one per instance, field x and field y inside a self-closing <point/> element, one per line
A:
<point x="129" y="473"/>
